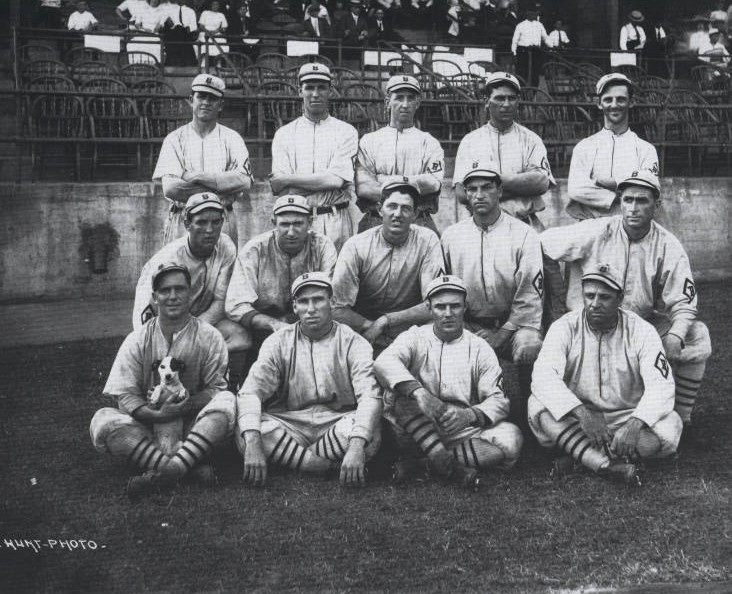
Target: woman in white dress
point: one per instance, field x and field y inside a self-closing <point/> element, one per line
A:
<point x="212" y="23"/>
<point x="149" y="21"/>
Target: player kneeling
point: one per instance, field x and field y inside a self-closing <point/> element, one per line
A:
<point x="448" y="390"/>
<point x="603" y="392"/>
<point x="311" y="401"/>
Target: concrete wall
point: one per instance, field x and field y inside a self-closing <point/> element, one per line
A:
<point x="41" y="253"/>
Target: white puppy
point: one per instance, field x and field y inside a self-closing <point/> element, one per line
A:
<point x="170" y="389"/>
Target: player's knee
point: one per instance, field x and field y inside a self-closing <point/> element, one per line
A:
<point x="105" y="422"/>
<point x="526" y="346"/>
<point x="508" y="438"/>
<point x="237" y="337"/>
<point x="541" y="422"/>
<point x="668" y="432"/>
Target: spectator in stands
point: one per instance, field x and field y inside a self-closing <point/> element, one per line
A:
<point x="380" y="28"/>
<point x="150" y="19"/>
<point x="600" y="161"/>
<point x="526" y="47"/>
<point x="49" y="15"/>
<point x="453" y="19"/>
<point x="315" y="25"/>
<point x="423" y="11"/>
<point x="338" y="13"/>
<point x="203" y="156"/>
<point x="718" y="17"/>
<point x="353" y="30"/>
<point x="632" y="35"/>
<point x="179" y="32"/>
<point x="714" y="51"/>
<point x="212" y="24"/>
<point x="320" y="11"/>
<point x="129" y="10"/>
<point x="700" y="37"/>
<point x="82" y="19"/>
<point x="558" y="38"/>
<point x="657" y="49"/>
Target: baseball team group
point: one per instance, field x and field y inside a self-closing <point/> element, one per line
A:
<point x="354" y="325"/>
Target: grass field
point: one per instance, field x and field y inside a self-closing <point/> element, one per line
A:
<point x="525" y="533"/>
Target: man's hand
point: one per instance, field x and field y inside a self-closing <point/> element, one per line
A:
<point x="353" y="467"/>
<point x="456" y="419"/>
<point x="673" y="346"/>
<point x="276" y="324"/>
<point x="593" y="425"/>
<point x="625" y="441"/>
<point x="278" y="182"/>
<point x="376" y="329"/>
<point x="606" y="182"/>
<point x="495" y="338"/>
<point x="173" y="410"/>
<point x="430" y="405"/>
<point x="255" y="462"/>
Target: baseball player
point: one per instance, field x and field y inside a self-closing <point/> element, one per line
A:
<point x="208" y="409"/>
<point x="382" y="273"/>
<point x="612" y="154"/>
<point x="518" y="152"/>
<point x="311" y="401"/>
<point x="314" y="155"/>
<point x="602" y="387"/>
<point x="656" y="278"/>
<point x="258" y="298"/>
<point x="209" y="256"/>
<point x="500" y="260"/>
<point x="399" y="151"/>
<point x="203" y="156"/>
<point x="448" y="389"/>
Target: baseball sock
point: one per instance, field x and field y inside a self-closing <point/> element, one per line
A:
<point x="688" y="377"/>
<point x="329" y="446"/>
<point x="136" y="448"/>
<point x="572" y="440"/>
<point x="290" y="454"/>
<point x="199" y="442"/>
<point x="423" y="431"/>
<point x="477" y="453"/>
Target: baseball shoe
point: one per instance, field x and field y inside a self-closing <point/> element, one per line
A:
<point x="622" y="472"/>
<point x="151" y="481"/>
<point x="407" y="468"/>
<point x="467" y="478"/>
<point x="203" y="475"/>
<point x="561" y="466"/>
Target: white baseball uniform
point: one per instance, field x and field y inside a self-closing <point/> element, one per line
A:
<point x="209" y="279"/>
<point x="263" y="275"/>
<point x="330" y="145"/>
<point x="605" y="155"/>
<point x="464" y="372"/>
<point x="515" y="150"/>
<point x="221" y="151"/>
<point x="198" y="344"/>
<point x="373" y="277"/>
<point x="311" y="387"/>
<point x="621" y="373"/>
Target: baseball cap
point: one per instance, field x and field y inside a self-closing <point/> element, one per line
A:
<point x="499" y="78"/>
<point x="208" y="83"/>
<point x="610" y="78"/>
<point x="489" y="170"/>
<point x="446" y="282"/>
<point x="403" y="81"/>
<point x="405" y="185"/>
<point x="291" y="203"/>
<point x="165" y="267"/>
<point x="605" y="274"/>
<point x="643" y="178"/>
<point x="202" y="201"/>
<point x="314" y="71"/>
<point x="311" y="279"/>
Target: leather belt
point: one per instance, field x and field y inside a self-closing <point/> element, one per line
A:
<point x="333" y="208"/>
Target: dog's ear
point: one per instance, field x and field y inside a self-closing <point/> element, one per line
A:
<point x="177" y="365"/>
<point x="156" y="363"/>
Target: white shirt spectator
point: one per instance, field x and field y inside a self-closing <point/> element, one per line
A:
<point x="558" y="38"/>
<point x="214" y="23"/>
<point x="134" y="7"/>
<point x="714" y="53"/>
<point x="528" y="34"/>
<point x="315" y="22"/>
<point x="631" y="32"/>
<point x="322" y="14"/>
<point x="698" y="39"/>
<point x="81" y="21"/>
<point x="149" y="19"/>
<point x="421" y="4"/>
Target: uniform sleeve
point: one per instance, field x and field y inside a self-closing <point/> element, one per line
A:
<point x="238" y="155"/>
<point x="433" y="264"/>
<point x="143" y="293"/>
<point x="365" y="158"/>
<point x="328" y="256"/>
<point x="243" y="288"/>
<point x="581" y="186"/>
<point x="649" y="158"/>
<point x="678" y="292"/>
<point x="281" y="149"/>
<point x="261" y="384"/>
<point x="493" y="402"/>
<point x="213" y="369"/>
<point x="346" y="276"/>
<point x="527" y="305"/>
<point x="537" y="159"/>
<point x="572" y="242"/>
<point x="392" y="365"/>
<point x="445" y="242"/>
<point x="218" y="304"/>
<point x="366" y="388"/>
<point x="462" y="161"/>
<point x="125" y="381"/>
<point x="434" y="162"/>
<point x="344" y="154"/>
<point x="170" y="160"/>
<point x="547" y="379"/>
<point x="658" y="382"/>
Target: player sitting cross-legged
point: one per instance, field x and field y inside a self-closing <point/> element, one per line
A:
<point x="448" y="390"/>
<point x="311" y="401"/>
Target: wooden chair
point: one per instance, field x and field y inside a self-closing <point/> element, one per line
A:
<point x="116" y="129"/>
<point x="103" y="85"/>
<point x="132" y="73"/>
<point x="161" y="116"/>
<point x="87" y="70"/>
<point x="152" y="86"/>
<point x="45" y="67"/>
<point x="36" y="51"/>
